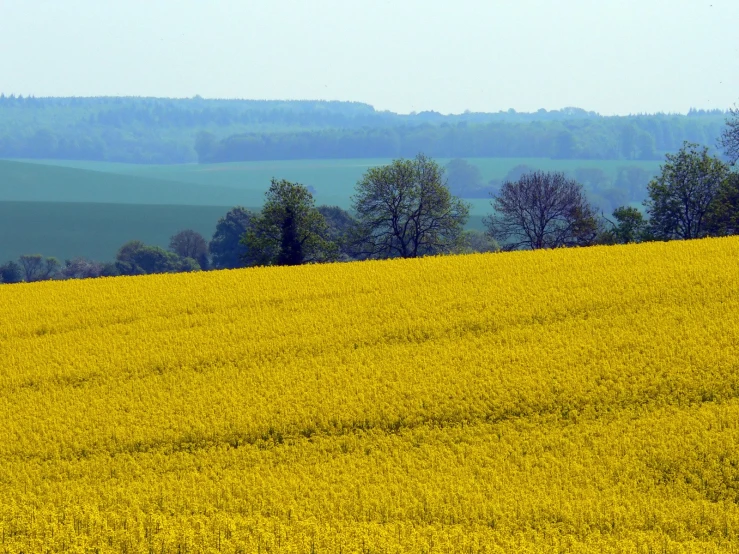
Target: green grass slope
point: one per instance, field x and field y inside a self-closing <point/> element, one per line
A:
<point x="31" y="182"/>
<point x="332" y="180"/>
<point x="66" y="230"/>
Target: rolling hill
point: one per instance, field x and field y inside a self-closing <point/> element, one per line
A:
<point x="332" y="181"/>
<point x="31" y="182"/>
<point x="66" y="230"/>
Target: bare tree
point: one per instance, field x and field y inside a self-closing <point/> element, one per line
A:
<point x="542" y="210"/>
<point x="190" y="244"/>
<point x="406" y="210"/>
<point x="31" y="265"/>
<point x="730" y="137"/>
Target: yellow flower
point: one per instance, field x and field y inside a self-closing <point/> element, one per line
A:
<point x="574" y="400"/>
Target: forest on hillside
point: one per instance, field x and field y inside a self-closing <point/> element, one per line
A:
<point x="159" y="130"/>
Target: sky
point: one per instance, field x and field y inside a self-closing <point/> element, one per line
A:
<point x="609" y="56"/>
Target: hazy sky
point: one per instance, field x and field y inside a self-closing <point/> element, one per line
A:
<point x="611" y="56"/>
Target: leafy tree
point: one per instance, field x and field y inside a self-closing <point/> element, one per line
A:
<point x="542" y="210"/>
<point x="153" y="259"/>
<point x="723" y="216"/>
<point x="226" y="249"/>
<point x="127" y="252"/>
<point x="37" y="268"/>
<point x="406" y="210"/>
<point x="186" y="265"/>
<point x="730" y="137"/>
<point x="11" y="272"/>
<point x="630" y="226"/>
<point x="136" y="258"/>
<point x="110" y="269"/>
<point x="478" y="241"/>
<point x="680" y="198"/>
<point x="190" y="244"/>
<point x="289" y="230"/>
<point x="340" y="226"/>
<point x="463" y="178"/>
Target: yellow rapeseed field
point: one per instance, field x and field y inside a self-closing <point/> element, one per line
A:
<point x="579" y="400"/>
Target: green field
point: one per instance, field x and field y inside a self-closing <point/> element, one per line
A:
<point x="333" y="180"/>
<point x="32" y="182"/>
<point x="231" y="174"/>
<point x="96" y="231"/>
<point x="68" y="208"/>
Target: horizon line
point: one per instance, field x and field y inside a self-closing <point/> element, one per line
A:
<point x="511" y="111"/>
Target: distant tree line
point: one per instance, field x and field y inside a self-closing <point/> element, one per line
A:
<point x="156" y="130"/>
<point x="605" y="138"/>
<point x="406" y="210"/>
